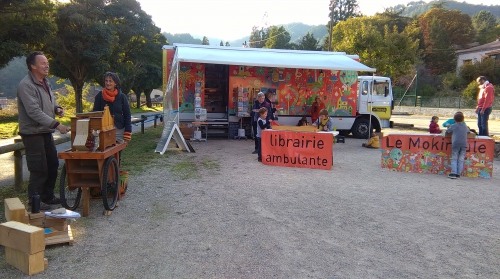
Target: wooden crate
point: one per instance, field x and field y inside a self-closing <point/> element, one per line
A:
<point x="22" y="237"/>
<point x="61" y="231"/>
<point x="311" y="129"/>
<point x="27" y="263"/>
<point x="15" y="210"/>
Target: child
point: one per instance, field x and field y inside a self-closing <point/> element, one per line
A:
<point x="458" y="144"/>
<point x="450" y="122"/>
<point x="303" y="121"/>
<point x="434" y="126"/>
<point x="374" y="142"/>
<point x="262" y="124"/>
<point x="324" y="123"/>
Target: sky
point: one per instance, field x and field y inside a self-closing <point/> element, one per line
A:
<point x="231" y="20"/>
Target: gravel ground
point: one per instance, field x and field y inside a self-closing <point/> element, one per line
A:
<point x="218" y="213"/>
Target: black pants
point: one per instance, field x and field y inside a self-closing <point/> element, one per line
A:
<point x="42" y="161"/>
<point x="254" y="125"/>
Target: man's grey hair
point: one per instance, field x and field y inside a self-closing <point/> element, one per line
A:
<point x="260" y="94"/>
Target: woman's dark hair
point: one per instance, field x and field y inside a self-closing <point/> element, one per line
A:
<point x="30" y="59"/>
<point x="115" y="78"/>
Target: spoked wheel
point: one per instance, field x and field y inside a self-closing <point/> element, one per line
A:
<point x="70" y="196"/>
<point x="109" y="186"/>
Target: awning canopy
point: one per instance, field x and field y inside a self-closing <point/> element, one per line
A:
<point x="297" y="59"/>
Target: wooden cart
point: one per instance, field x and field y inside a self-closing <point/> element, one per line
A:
<point x="84" y="169"/>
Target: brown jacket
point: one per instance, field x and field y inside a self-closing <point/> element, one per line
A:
<point x="36" y="107"/>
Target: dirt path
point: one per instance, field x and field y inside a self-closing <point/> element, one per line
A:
<point x="218" y="213"/>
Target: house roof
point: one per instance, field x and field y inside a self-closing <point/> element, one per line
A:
<point x="279" y="58"/>
<point x="495" y="45"/>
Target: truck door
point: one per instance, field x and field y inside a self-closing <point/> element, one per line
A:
<point x="376" y="96"/>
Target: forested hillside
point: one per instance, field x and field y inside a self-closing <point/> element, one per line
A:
<point x="420" y="7"/>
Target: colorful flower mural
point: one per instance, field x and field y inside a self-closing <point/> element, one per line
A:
<point x="296" y="89"/>
<point x="432" y="154"/>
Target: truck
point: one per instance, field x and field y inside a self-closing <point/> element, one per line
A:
<point x="224" y="81"/>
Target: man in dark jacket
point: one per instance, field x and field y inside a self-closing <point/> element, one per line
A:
<point x="37" y="108"/>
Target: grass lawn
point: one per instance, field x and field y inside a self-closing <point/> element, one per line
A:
<point x="135" y="159"/>
<point x="9" y="126"/>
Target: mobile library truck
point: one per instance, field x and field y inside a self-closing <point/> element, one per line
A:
<point x="226" y="80"/>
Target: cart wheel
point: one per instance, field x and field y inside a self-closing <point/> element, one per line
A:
<point x="110" y="185"/>
<point x="70" y="197"/>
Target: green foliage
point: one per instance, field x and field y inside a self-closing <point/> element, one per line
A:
<point x="278" y="38"/>
<point x="25" y="25"/>
<point x="450" y="81"/>
<point x="341" y="10"/>
<point x="86" y="39"/>
<point x="205" y="41"/>
<point x="439" y="53"/>
<point x="308" y="42"/>
<point x="457" y="26"/>
<point x="427" y="90"/>
<point x="183" y="38"/>
<point x="416" y="8"/>
<point x="258" y="37"/>
<point x="391" y="52"/>
<point x="470" y="92"/>
<point x="68" y="100"/>
<point x="484" y="24"/>
<point x="489" y="68"/>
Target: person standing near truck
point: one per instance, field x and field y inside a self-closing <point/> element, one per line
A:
<point x="37" y="108"/>
<point x="317" y="106"/>
<point x="485" y="100"/>
<point x="257" y="105"/>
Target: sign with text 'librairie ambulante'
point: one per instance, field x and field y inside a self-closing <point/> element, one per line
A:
<point x="297" y="149"/>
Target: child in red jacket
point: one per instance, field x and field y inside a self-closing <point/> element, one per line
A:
<point x="434" y="126"/>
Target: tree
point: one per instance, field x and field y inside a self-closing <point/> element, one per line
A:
<point x="279" y="38"/>
<point x="26" y="25"/>
<point x="343" y="10"/>
<point x="221" y="43"/>
<point x="439" y="53"/>
<point x="484" y="24"/>
<point x="258" y="37"/>
<point x="205" y="41"/>
<point x="458" y="26"/>
<point x="390" y="52"/>
<point x="308" y="42"/>
<point x="80" y="48"/>
<point x="137" y="42"/>
<point x="227" y="44"/>
<point x="340" y="10"/>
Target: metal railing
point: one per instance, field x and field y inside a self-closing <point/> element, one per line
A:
<point x="18" y="147"/>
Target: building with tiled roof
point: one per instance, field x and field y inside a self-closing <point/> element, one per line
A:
<point x="478" y="53"/>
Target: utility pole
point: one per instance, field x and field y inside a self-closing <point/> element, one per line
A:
<point x="331" y="26"/>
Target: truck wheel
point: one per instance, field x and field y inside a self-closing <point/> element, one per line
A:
<point x="361" y="128"/>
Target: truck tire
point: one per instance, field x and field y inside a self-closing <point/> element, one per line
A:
<point x="361" y="128"/>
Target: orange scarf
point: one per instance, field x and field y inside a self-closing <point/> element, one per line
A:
<point x="109" y="96"/>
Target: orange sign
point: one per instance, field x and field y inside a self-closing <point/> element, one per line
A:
<point x="297" y="149"/>
<point x="432" y="154"/>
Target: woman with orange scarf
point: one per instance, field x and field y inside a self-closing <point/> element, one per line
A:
<point x="117" y="102"/>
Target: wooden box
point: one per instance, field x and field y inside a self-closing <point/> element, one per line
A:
<point x="43" y="221"/>
<point x="25" y="238"/>
<point x="27" y="263"/>
<point x="15" y="210"/>
<point x="310" y="129"/>
<point x="98" y="121"/>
